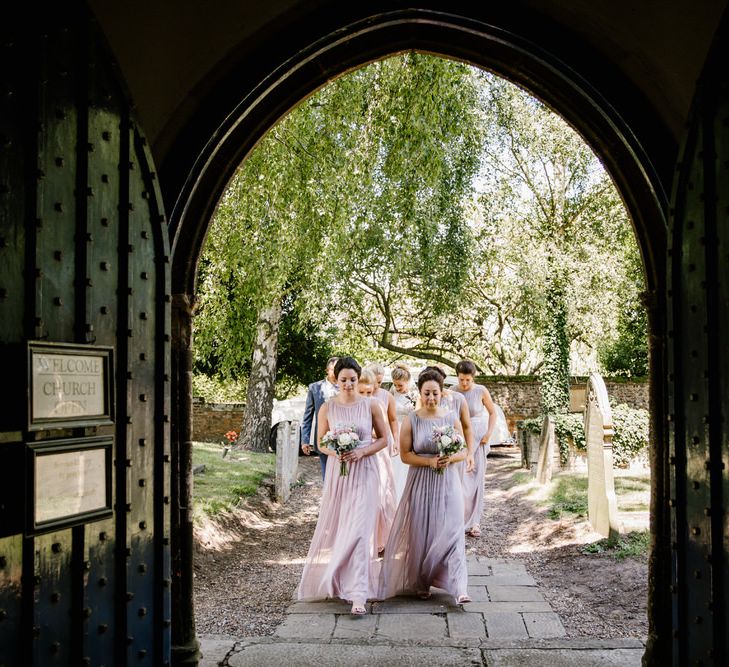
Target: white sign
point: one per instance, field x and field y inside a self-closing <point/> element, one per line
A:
<point x="67" y="385"/>
<point x="69" y="483"/>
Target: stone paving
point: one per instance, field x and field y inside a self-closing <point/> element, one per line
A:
<point x="508" y="623"/>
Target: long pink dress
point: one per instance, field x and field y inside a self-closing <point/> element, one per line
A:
<point x="387" y="495"/>
<point x="427" y="545"/>
<point x="473" y="482"/>
<point x="341" y="558"/>
<point x="452" y="401"/>
<point x="404" y="405"/>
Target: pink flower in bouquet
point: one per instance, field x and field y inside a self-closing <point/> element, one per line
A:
<point x="341" y="439"/>
<point x="448" y="441"/>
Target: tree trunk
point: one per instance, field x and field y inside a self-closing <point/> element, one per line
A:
<point x="256" y="427"/>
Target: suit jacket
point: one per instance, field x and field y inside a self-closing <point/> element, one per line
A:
<point x="314" y="400"/>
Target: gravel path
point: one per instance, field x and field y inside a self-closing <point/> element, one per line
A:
<point x="248" y="565"/>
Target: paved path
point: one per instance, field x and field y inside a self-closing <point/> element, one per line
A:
<point x="508" y="624"/>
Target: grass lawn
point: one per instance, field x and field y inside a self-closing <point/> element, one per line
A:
<point x="226" y="480"/>
<point x="565" y="497"/>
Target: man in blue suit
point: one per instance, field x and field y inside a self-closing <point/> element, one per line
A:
<point x="319" y="393"/>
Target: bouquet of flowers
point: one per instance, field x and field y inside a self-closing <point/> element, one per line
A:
<point x="341" y="439"/>
<point x="448" y="441"/>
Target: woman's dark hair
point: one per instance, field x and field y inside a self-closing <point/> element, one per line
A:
<point x="465" y="367"/>
<point x="430" y="375"/>
<point x="347" y="362"/>
<point x="437" y="369"/>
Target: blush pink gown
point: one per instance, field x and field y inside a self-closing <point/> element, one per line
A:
<point x="387" y="495"/>
<point x="341" y="558"/>
<point x="427" y="544"/>
<point x="473" y="491"/>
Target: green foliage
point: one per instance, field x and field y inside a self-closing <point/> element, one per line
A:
<point x="216" y="390"/>
<point x="632" y="428"/>
<point x="225" y="481"/>
<point x="627" y="354"/>
<point x="533" y="424"/>
<point x="568" y="495"/>
<point x="411" y="207"/>
<point x="631" y="545"/>
<point x="630" y="440"/>
<point x="569" y="428"/>
<point x="302" y="352"/>
<point x="555" y="374"/>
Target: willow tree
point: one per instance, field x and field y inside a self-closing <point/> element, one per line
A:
<point x="369" y="171"/>
<point x="406" y="238"/>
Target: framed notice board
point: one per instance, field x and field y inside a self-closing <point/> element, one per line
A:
<point x="69" y="385"/>
<point x="69" y="482"/>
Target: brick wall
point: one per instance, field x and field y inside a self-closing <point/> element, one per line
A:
<point x="519" y="398"/>
<point x="211" y="421"/>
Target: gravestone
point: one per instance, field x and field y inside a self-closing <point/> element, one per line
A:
<point x="287" y="458"/>
<point x="602" y="507"/>
<point x="547" y="448"/>
<point x="529" y="445"/>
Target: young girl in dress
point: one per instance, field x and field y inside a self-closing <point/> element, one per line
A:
<point x="388" y="503"/>
<point x="341" y="558"/>
<point x="483" y="419"/>
<point x="427" y="546"/>
<point x="405" y="399"/>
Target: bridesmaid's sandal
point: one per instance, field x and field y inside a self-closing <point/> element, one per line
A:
<point x="358" y="609"/>
<point x="462" y="598"/>
<point x="474" y="532"/>
<point x="424" y="595"/>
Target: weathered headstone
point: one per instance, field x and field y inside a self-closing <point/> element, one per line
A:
<point x="547" y="448"/>
<point x="287" y="458"/>
<point x="529" y="444"/>
<point x="602" y="506"/>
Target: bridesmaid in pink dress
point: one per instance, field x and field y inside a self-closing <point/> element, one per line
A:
<point x="387" y="498"/>
<point x="455" y="402"/>
<point x="483" y="420"/>
<point x="388" y="403"/>
<point x="427" y="546"/>
<point x="341" y="558"/>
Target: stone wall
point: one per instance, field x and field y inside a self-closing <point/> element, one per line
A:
<point x="520" y="397"/>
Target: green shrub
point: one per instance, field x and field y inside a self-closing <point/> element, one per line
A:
<point x="566" y="426"/>
<point x="631" y="433"/>
<point x="630" y="439"/>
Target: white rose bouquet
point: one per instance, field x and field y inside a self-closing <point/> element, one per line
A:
<point x="341" y="439"/>
<point x="448" y="441"/>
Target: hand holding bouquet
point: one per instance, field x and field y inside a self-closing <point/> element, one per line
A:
<point x="342" y="439"/>
<point x="448" y="441"/>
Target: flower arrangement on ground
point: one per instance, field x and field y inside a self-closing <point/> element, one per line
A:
<point x="448" y="441"/>
<point x="341" y="439"/>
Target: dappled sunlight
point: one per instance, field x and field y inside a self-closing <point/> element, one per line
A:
<point x="554" y="515"/>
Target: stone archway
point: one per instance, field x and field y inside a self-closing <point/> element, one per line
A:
<point x="626" y="146"/>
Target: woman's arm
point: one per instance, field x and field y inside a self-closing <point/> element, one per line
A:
<point x="465" y="420"/>
<point x="322" y="427"/>
<point x="394" y="424"/>
<point x="491" y="408"/>
<point x="464" y="453"/>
